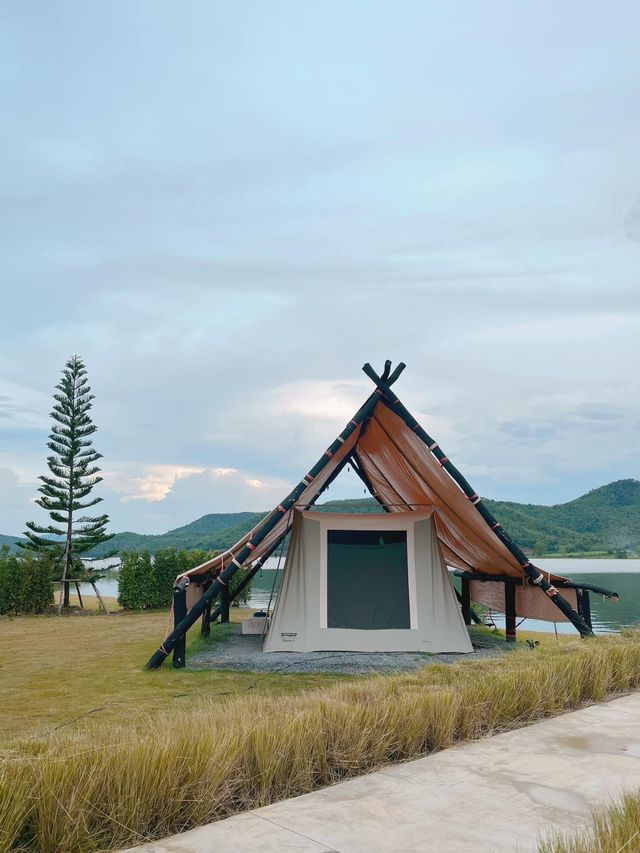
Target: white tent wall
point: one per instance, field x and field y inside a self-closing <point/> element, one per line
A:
<point x="299" y="621"/>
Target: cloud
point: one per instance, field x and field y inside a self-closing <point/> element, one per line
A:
<point x="16" y="502"/>
<point x="226" y="242"/>
<point x="153" y="485"/>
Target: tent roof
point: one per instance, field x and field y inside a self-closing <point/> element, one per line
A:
<point x="404" y="474"/>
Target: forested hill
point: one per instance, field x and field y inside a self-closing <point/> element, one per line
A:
<point x="606" y="519"/>
<point x="211" y="532"/>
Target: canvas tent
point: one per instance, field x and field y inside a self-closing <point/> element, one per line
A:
<point x="405" y="469"/>
<point x="366" y="583"/>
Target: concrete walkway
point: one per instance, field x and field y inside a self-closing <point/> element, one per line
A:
<point x="497" y="794"/>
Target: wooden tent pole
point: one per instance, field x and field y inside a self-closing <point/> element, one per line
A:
<point x="179" y="612"/>
<point x="510" y="612"/>
<point x="259" y="534"/>
<point x="205" y="624"/>
<point x="533" y="573"/>
<point x="586" y="607"/>
<point x="466" y="600"/>
<point x="473" y="616"/>
<point x="225" y="603"/>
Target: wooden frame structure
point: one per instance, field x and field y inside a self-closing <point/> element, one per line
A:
<point x="214" y="576"/>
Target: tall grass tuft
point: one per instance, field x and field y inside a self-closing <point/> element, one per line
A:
<point x="113" y="786"/>
<point x="612" y="830"/>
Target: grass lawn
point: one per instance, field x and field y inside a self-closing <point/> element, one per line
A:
<point x="54" y="670"/>
<point x="98" y="753"/>
<point x="83" y="669"/>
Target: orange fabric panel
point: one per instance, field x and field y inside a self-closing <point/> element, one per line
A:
<point x="401" y="469"/>
<point x="308" y="496"/>
<point x="531" y="603"/>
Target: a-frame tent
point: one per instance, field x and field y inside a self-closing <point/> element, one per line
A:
<point x="405" y="469"/>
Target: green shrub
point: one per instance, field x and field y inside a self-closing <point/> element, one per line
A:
<point x="146" y="582"/>
<point x="25" y="584"/>
<point x="135" y="581"/>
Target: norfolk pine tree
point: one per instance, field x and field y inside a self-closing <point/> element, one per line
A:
<point x="74" y="473"/>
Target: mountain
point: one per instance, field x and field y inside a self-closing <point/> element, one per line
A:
<point x="9" y="540"/>
<point x="211" y="532"/>
<point x="605" y="520"/>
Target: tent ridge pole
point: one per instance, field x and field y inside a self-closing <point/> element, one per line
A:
<point x="536" y="576"/>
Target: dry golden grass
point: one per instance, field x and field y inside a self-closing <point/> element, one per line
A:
<point x="91" y="603"/>
<point x="615" y="829"/>
<point x="56" y="669"/>
<point x="112" y="786"/>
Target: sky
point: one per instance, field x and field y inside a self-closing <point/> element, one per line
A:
<point x="227" y="208"/>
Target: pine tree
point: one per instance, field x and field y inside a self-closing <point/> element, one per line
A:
<point x="73" y="475"/>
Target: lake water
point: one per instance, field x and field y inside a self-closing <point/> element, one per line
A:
<point x="621" y="576"/>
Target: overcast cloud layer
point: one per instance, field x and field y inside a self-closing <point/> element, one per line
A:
<point x="226" y="208"/>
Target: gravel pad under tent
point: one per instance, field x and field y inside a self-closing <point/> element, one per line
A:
<point x="227" y="648"/>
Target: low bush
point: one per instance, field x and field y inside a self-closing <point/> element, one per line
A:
<point x="114" y="786"/>
<point x="25" y="584"/>
<point x="146" y="582"/>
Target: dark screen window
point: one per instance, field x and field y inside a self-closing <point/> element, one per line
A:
<point x="367" y="579"/>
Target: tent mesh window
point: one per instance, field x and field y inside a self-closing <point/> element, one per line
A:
<point x="367" y="579"/>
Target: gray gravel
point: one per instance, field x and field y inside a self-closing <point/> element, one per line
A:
<point x="229" y="649"/>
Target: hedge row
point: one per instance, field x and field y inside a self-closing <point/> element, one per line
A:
<point x="25" y="584"/>
<point x="146" y="582"/>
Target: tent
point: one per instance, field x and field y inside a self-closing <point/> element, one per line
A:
<point x="366" y="583"/>
<point x="406" y="470"/>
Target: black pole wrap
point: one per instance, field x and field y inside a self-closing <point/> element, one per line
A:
<point x="533" y="573"/>
<point x="259" y="534"/>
